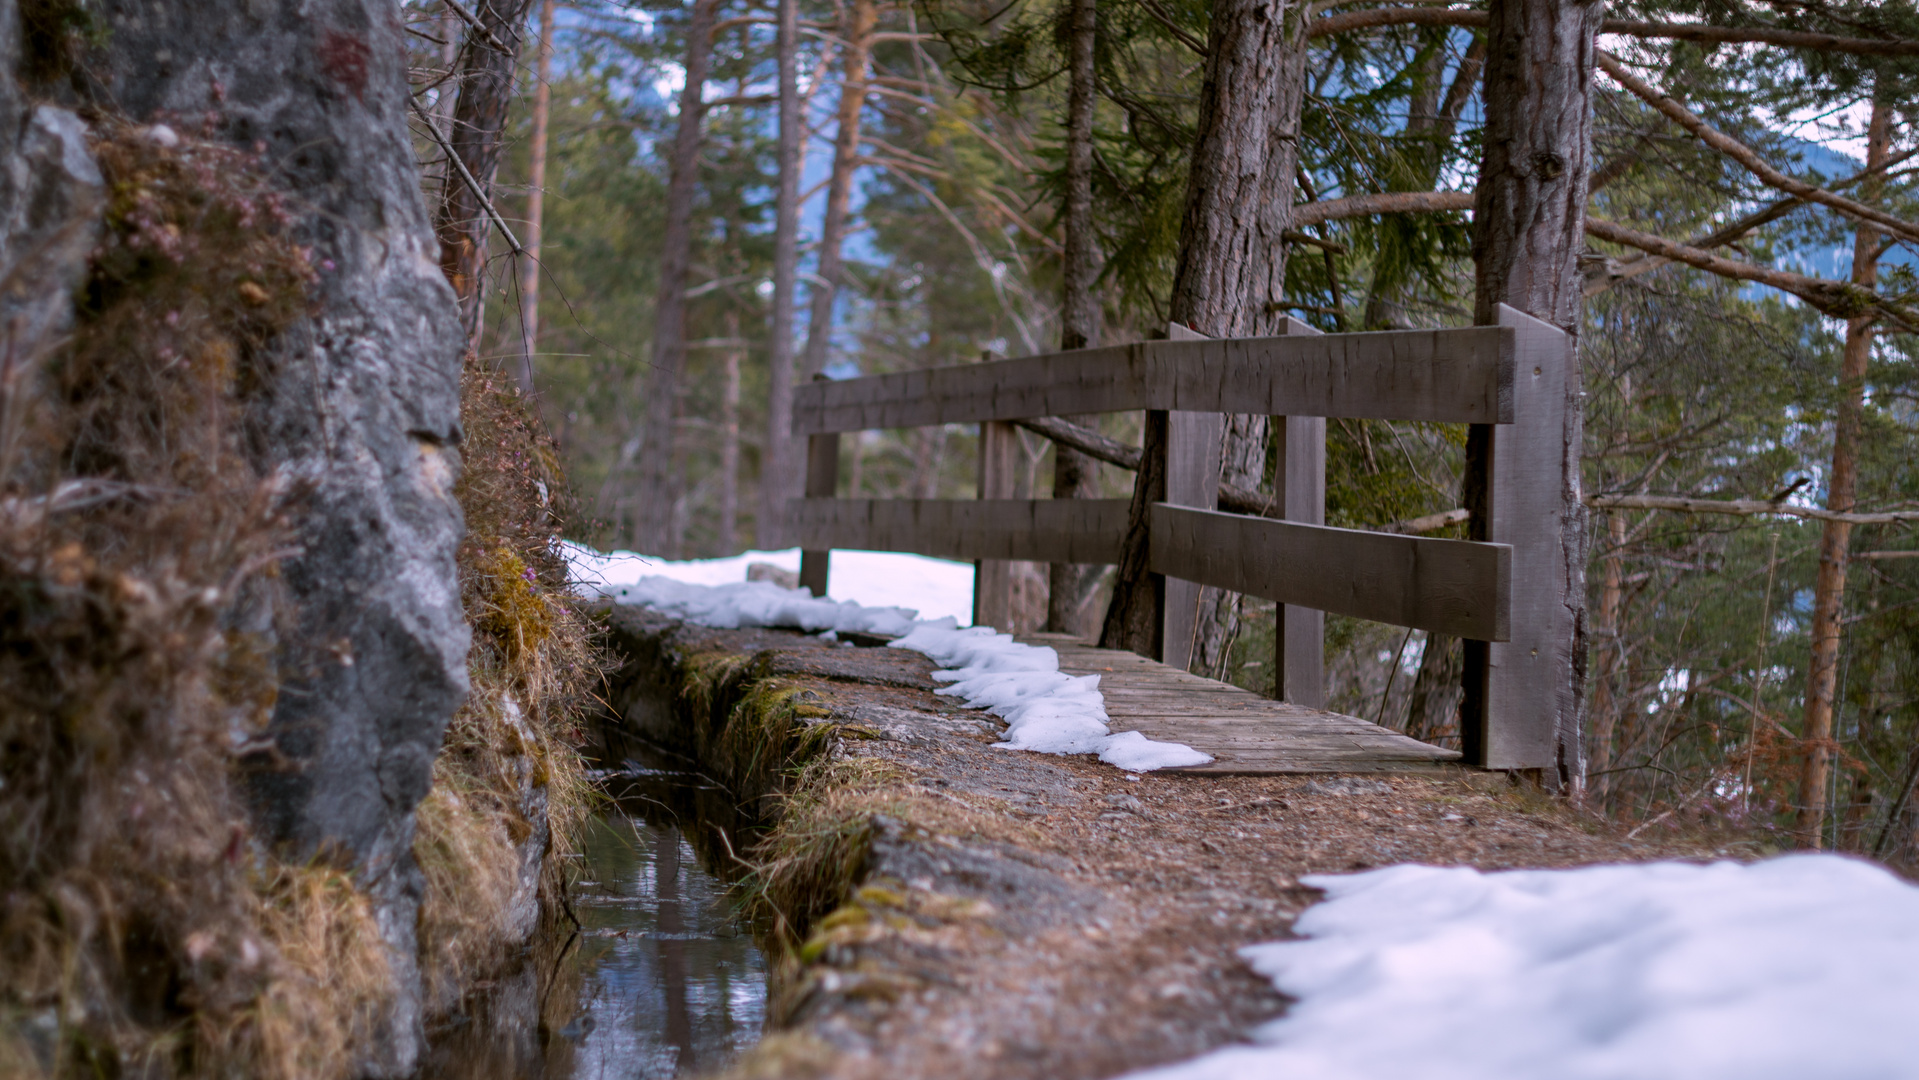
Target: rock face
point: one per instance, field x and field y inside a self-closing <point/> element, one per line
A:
<point x="50" y="199"/>
<point x="359" y="404"/>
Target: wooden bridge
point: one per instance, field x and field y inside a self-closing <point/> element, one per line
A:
<point x="1503" y="592"/>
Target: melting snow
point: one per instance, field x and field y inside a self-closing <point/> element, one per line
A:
<point x="1801" y="966"/>
<point x="1046" y="711"/>
<point x="936" y="587"/>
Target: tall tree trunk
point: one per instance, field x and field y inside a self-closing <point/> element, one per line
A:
<point x="1835" y="540"/>
<point x="730" y="437"/>
<point x="1074" y="474"/>
<point x="486" y="92"/>
<point x="1232" y="271"/>
<point x="535" y="200"/>
<point x="776" y="451"/>
<point x="659" y="480"/>
<point x="858" y="33"/>
<point x="1528" y="230"/>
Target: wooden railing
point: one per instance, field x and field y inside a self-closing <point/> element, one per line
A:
<point x="1502" y="592"/>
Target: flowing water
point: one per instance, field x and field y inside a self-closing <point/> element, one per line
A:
<point x="660" y="980"/>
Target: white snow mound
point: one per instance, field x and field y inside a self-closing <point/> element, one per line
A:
<point x="1800" y="966"/>
<point x="1046" y="711"/>
<point x="937" y="587"/>
<point x="757" y="604"/>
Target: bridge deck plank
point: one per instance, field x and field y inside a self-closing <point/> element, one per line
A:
<point x="1245" y="733"/>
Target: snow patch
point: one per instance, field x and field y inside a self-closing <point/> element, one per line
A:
<point x="938" y="588"/>
<point x="1804" y="965"/>
<point x="760" y="603"/>
<point x="1046" y="711"/>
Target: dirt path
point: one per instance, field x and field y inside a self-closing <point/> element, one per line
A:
<point x="1017" y="915"/>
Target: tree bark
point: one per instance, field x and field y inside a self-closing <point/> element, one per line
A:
<point x="1231" y="274"/>
<point x="487" y="90"/>
<point x="659" y="482"/>
<point x="730" y="437"/>
<point x="1075" y="475"/>
<point x="777" y="451"/>
<point x="535" y="200"/>
<point x="1528" y="230"/>
<point x="1835" y="540"/>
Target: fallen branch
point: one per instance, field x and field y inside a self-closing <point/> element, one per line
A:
<point x="1085" y="440"/>
<point x="1745" y="156"/>
<point x="1232" y="498"/>
<point x="1710" y="35"/>
<point x="1686" y="504"/>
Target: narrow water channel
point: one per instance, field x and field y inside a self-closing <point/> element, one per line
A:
<point x="659" y="981"/>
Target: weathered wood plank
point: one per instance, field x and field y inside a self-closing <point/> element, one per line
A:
<point x="1458" y="376"/>
<point x="1192" y="479"/>
<point x="1299" y="633"/>
<point x="822" y="482"/>
<point x="993" y="578"/>
<point x="1450" y="586"/>
<point x="1040" y="530"/>
<point x="1247" y="734"/>
<point x="1514" y="686"/>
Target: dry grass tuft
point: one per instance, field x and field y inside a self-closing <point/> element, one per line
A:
<point x="510" y="786"/>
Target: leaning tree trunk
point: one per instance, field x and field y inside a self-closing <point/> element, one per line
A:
<point x="1232" y="272"/>
<point x="858" y="34"/>
<point x="1528" y="230"/>
<point x="857" y="31"/>
<point x="1835" y="540"/>
<point x="358" y="401"/>
<point x="1074" y="474"/>
<point x="653" y="525"/>
<point x="777" y="450"/>
<point x="487" y="90"/>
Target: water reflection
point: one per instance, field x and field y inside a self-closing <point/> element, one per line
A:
<point x="671" y="985"/>
<point x="658" y="982"/>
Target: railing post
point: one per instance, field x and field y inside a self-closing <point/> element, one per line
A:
<point x="1299" y="483"/>
<point x="1192" y="479"/>
<point x="993" y="578"/>
<point x="822" y="482"/>
<point x="1516" y="690"/>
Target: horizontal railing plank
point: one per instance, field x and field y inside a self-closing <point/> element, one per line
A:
<point x="1456" y="376"/>
<point x="1449" y="586"/>
<point x="1039" y="530"/>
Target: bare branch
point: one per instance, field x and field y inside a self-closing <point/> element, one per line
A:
<point x="1744" y="155"/>
<point x="1385" y="202"/>
<point x="474" y="21"/>
<point x="1713" y="35"/>
<point x="1839" y="299"/>
<point x="1742" y="508"/>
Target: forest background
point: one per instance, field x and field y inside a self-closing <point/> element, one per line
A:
<point x="1746" y="346"/>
